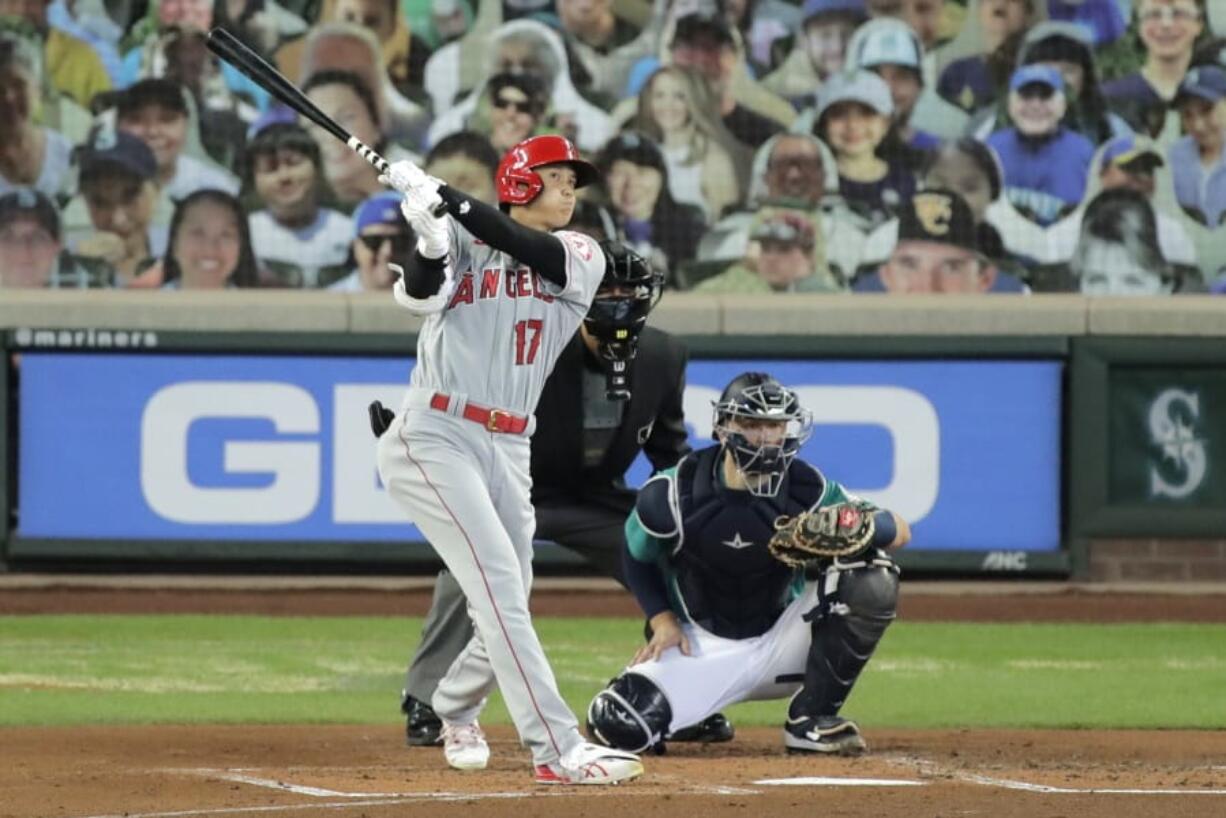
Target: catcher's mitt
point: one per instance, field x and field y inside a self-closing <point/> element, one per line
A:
<point x="840" y="530"/>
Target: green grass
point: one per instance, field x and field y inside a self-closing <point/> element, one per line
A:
<point x="64" y="670"/>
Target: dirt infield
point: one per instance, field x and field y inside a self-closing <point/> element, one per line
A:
<point x="367" y="772"/>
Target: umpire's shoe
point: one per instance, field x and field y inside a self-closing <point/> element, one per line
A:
<point x="711" y="730"/>
<point x="830" y="735"/>
<point x="422" y="727"/>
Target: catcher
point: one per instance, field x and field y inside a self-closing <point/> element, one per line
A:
<point x="761" y="579"/>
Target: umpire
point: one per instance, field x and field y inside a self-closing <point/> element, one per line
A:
<point x="629" y="380"/>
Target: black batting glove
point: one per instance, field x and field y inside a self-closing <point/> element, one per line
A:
<point x="380" y="418"/>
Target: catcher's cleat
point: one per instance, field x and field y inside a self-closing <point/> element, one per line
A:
<point x="714" y="729"/>
<point x="829" y="735"/>
<point x="422" y="727"/>
<point x="591" y="764"/>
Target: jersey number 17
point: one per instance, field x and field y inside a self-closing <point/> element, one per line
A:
<point x="527" y="340"/>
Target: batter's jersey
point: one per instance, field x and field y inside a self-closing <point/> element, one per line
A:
<point x="504" y="326"/>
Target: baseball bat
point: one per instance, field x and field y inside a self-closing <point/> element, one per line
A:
<point x="234" y="51"/>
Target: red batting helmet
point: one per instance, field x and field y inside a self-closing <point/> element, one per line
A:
<point x="517" y="180"/>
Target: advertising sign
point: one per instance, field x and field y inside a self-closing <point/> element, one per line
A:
<point x="160" y="446"/>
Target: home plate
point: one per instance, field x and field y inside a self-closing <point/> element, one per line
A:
<point x="822" y="781"/>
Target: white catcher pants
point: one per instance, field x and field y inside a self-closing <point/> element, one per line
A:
<point x="720" y="672"/>
<point x="469" y="492"/>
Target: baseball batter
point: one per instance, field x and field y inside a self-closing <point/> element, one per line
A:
<point x="732" y="620"/>
<point x="502" y="295"/>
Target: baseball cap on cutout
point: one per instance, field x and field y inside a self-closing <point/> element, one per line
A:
<point x="785" y="226"/>
<point x="1056" y="40"/>
<point x="862" y="86"/>
<point x="700" y="26"/>
<point x="1207" y="82"/>
<point x="633" y="147"/>
<point x="938" y="216"/>
<point x="1043" y="74"/>
<point x="108" y="148"/>
<point x="889" y="42"/>
<point x="1129" y="148"/>
<point x="276" y="113"/>
<point x="382" y="208"/>
<point x="815" y="8"/>
<point x="28" y="203"/>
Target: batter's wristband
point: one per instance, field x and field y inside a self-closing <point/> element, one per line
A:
<point x="423" y="277"/>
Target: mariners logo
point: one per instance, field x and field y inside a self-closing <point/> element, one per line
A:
<point x="934" y="211"/>
<point x="1182" y="462"/>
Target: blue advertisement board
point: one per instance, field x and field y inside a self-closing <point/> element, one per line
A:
<point x="278" y="448"/>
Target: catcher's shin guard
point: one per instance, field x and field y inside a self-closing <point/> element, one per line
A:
<point x="845" y="634"/>
<point x="630" y="714"/>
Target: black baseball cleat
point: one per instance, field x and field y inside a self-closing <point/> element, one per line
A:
<point x="712" y="730"/>
<point x="830" y="735"/>
<point x="422" y="727"/>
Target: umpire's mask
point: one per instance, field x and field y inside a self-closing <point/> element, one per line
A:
<point x="628" y="292"/>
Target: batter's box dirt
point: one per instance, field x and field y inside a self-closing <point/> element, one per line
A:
<point x="367" y="772"/>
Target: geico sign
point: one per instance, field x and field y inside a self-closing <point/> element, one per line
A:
<point x="296" y="466"/>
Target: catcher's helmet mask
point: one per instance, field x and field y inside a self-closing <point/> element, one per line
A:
<point x="758" y="397"/>
<point x="516" y="179"/>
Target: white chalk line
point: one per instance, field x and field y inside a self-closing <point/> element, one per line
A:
<point x="932" y="768"/>
<point x="247" y="810"/>
<point x="288" y="807"/>
<point x="357" y="799"/>
<point x="826" y="781"/>
<point x="241" y="776"/>
<point x="1026" y="786"/>
<point x="298" y="789"/>
<point x="408" y="799"/>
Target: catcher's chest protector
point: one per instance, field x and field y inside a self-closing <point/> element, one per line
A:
<point x="730" y="583"/>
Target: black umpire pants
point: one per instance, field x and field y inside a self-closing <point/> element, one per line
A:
<point x="594" y="531"/>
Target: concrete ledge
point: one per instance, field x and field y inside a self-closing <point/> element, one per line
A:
<point x="874" y="314"/>
<point x="378" y="313"/>
<point x="1190" y="315"/>
<point x="215" y="311"/>
<point x="689" y="314"/>
<point x="859" y="315"/>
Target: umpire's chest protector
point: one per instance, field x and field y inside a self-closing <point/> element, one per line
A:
<point x="730" y="583"/>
